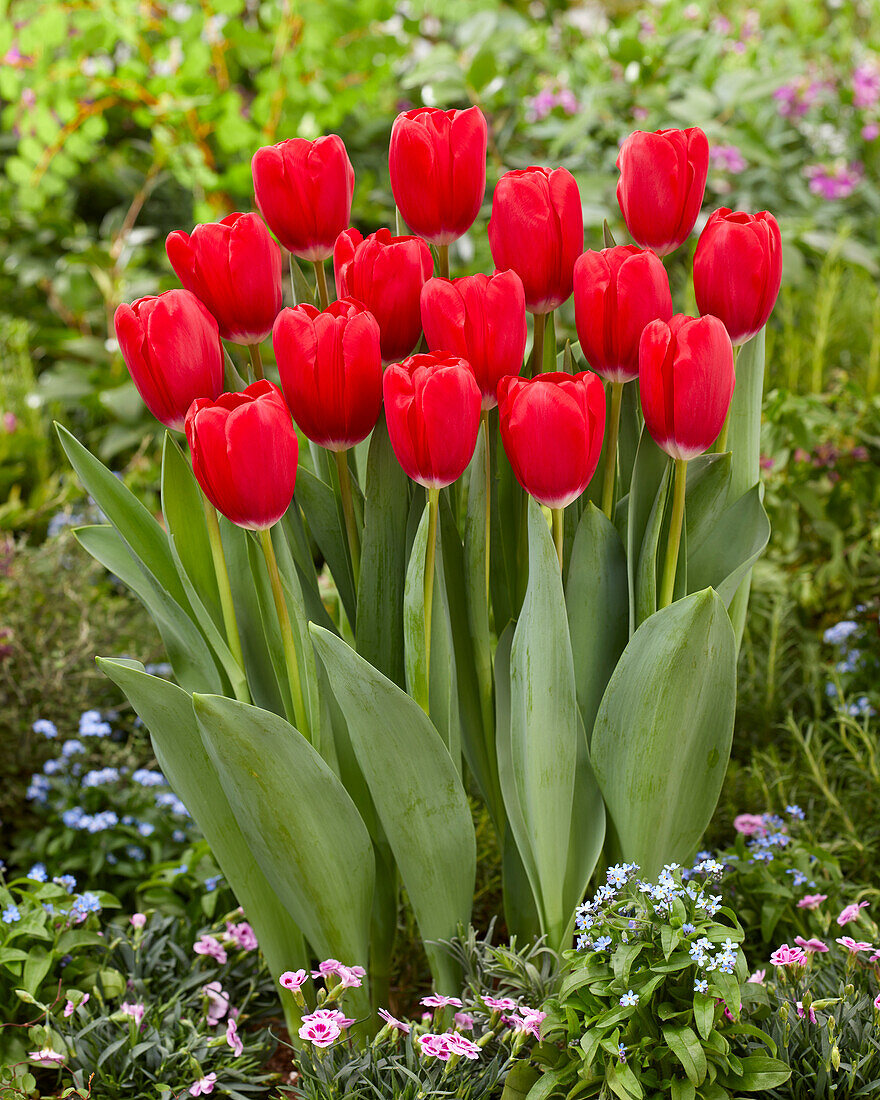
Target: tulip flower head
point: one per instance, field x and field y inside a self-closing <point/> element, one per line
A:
<point x="482" y="319"/>
<point x="304" y="191"/>
<point x="537" y="230"/>
<point x="686" y="379"/>
<point x="244" y="454"/>
<point x="437" y="162"/>
<point x="331" y="371"/>
<point x="432" y="406"/>
<point x="234" y="268"/>
<point x="552" y="428"/>
<point x="172" y="348"/>
<point x="738" y="270"/>
<point x="617" y="292"/>
<point x="661" y="185"/>
<point x="387" y="274"/>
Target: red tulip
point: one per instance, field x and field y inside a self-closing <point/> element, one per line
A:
<point x="331" y="371"/>
<point x="661" y="185"/>
<point x="686" y="380"/>
<point x="171" y="346"/>
<point x="234" y="268"/>
<point x="482" y="318"/>
<point x="537" y="230"/>
<point x="552" y="428"/>
<point x="437" y="161"/>
<point x="432" y="405"/>
<point x="738" y="270"/>
<point x="616" y="293"/>
<point x="304" y="191"/>
<point x="387" y="274"/>
<point x="244" y="454"/>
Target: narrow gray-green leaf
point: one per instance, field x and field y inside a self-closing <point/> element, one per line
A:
<point x="726" y="555"/>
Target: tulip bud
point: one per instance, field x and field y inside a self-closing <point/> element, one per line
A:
<point x="437" y="161"/>
<point x="552" y="428"/>
<point x="387" y="274"/>
<point x="537" y="230"/>
<point x="661" y="185"/>
<point x="738" y="270"/>
<point x="432" y="406"/>
<point x="172" y="348"/>
<point x="481" y="318"/>
<point x="304" y="191"/>
<point x="234" y="268"/>
<point x="244" y="454"/>
<point x="686" y="379"/>
<point x="616" y="293"/>
<point x="331" y="371"/>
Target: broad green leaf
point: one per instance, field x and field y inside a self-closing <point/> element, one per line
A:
<point x="662" y="736"/>
<point x="628" y="439"/>
<point x="546" y="1085"/>
<point x="708" y="485"/>
<point x="587" y="829"/>
<point x="758" y="1073"/>
<point x="303" y="829"/>
<point x="686" y="1047"/>
<point x="744" y="441"/>
<point x="416" y="790"/>
<point x="183" y="508"/>
<point x="166" y="710"/>
<point x="736" y="541"/>
<point x="682" y="1089"/>
<point x="319" y="505"/>
<point x="544" y="725"/>
<point x="519" y="1080"/>
<point x="439" y="699"/>
<point x="653" y="547"/>
<point x="522" y="891"/>
<point x="704" y="1014"/>
<point x="623" y="1082"/>
<point x="596" y="602"/>
<point x="187" y="650"/>
<point x="509" y="542"/>
<point x="383" y="559"/>
<point x="36" y="968"/>
<point x="650" y="468"/>
<point x="137" y="528"/>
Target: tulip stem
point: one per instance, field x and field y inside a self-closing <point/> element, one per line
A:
<point x="430" y="553"/>
<point x="611" y="449"/>
<point x="354" y="541"/>
<point x="487" y="473"/>
<point x="670" y="565"/>
<point x="538" y="344"/>
<point x="256" y="361"/>
<point x="443" y="260"/>
<point x="558" y="515"/>
<point x="286" y="631"/>
<point x="227" y="606"/>
<point x="321" y="275"/>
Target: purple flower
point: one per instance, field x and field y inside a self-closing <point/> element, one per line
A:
<point x="750" y="824"/>
<point x="232" y="1037"/>
<point x="812" y="901"/>
<point x="293" y="979"/>
<point x="138" y="920"/>
<point x="210" y="945"/>
<point x="437" y="1000"/>
<point x="434" y="1046"/>
<point x="464" y="1021"/>
<point x="834" y="181"/>
<point x="329" y="1015"/>
<point x="70" y="1007"/>
<point x="871" y="131"/>
<point x="320" y="1033"/>
<point x="801" y="1013"/>
<point x="218" y="1002"/>
<point x="458" y="1044"/>
<point x="866" y="85"/>
<point x="393" y="1022"/>
<point x="45" y="1057"/>
<point x="501" y="1004"/>
<point x="529" y="1021"/>
<point x="788" y="956"/>
<point x="204" y="1085"/>
<point x="727" y="158"/>
<point x="133" y="1009"/>
<point x="854" y="946"/>
<point x="851" y="913"/>
<point x="242" y="935"/>
<point x="813" y="946"/>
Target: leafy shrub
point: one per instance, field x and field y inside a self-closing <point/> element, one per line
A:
<point x="652" y="1003"/>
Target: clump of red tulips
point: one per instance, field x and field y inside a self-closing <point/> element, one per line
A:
<point x="442" y="543"/>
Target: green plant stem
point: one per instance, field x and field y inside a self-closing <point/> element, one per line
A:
<point x="611" y="449"/>
<point x="538" y="343"/>
<point x="256" y="361"/>
<point x="321" y="275"/>
<point x="558" y="515"/>
<point x="286" y="631"/>
<point x="433" y="509"/>
<point x="233" y="638"/>
<point x="443" y="260"/>
<point x="487" y="473"/>
<point x="671" y="563"/>
<point x="354" y="540"/>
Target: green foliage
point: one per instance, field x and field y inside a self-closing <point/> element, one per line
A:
<point x="652" y="1001"/>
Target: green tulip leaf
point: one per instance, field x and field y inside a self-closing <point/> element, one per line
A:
<point x="649" y="476"/>
<point x="167" y="712"/>
<point x="319" y="505"/>
<point x="648" y="567"/>
<point x="417" y="793"/>
<point x="730" y="548"/>
<point x="300" y="824"/>
<point x="596" y="602"/>
<point x="662" y="736"/>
